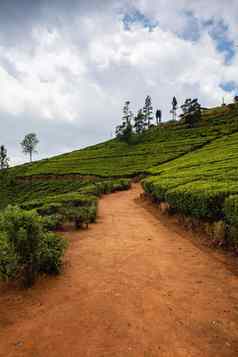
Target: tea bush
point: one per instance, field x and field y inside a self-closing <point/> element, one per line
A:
<point x="53" y="222"/>
<point x="51" y="253"/>
<point x="8" y="258"/>
<point x="198" y="183"/>
<point x="231" y="218"/>
<point x="231" y="210"/>
<point x="27" y="249"/>
<point x="58" y="208"/>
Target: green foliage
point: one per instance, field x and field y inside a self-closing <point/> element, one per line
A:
<point x="139" y="122"/>
<point x="57" y="208"/>
<point x="124" y="131"/>
<point x="198" y="183"/>
<point x="4" y="160"/>
<point x="231" y="218"/>
<point x="52" y="248"/>
<point x="148" y="112"/>
<point x="116" y="158"/>
<point x="81" y="216"/>
<point x="192" y="168"/>
<point x="231" y="210"/>
<point x="8" y="258"/>
<point x="29" y="144"/>
<point x="20" y="191"/>
<point x="25" y="247"/>
<point x="52" y="204"/>
<point x="191" y="112"/>
<point x="53" y="222"/>
<point x="200" y="199"/>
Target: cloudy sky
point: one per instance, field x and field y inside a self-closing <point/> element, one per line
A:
<point x="66" y="67"/>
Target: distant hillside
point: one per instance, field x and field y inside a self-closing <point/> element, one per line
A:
<point x="156" y="146"/>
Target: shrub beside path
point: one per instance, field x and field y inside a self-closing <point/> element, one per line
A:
<point x="132" y="286"/>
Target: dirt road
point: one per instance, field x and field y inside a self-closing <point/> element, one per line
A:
<point x="132" y="286"/>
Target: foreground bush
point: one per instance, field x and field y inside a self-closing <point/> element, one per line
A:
<point x="51" y="253"/>
<point x="8" y="258"/>
<point x="231" y="218"/>
<point x="27" y="249"/>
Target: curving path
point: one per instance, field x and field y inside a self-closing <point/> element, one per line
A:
<point x="132" y="286"/>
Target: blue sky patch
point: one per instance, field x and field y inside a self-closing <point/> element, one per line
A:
<point x="136" y="17"/>
<point x="192" y="28"/>
<point x="229" y="86"/>
<point x="219" y="33"/>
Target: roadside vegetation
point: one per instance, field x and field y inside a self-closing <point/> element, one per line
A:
<point x="191" y="164"/>
<point x="27" y="249"/>
<point x="201" y="184"/>
<point x="32" y="214"/>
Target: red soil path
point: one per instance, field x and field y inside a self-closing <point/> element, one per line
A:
<point x="132" y="286"/>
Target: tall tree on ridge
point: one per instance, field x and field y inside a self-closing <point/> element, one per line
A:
<point x="148" y="111"/>
<point x="139" y="122"/>
<point x="124" y="131"/>
<point x="191" y="111"/>
<point x="4" y="159"/>
<point x="29" y="144"/>
<point x="127" y="113"/>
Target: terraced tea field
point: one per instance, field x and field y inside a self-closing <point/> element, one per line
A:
<point x="199" y="183"/>
<point x="115" y="158"/>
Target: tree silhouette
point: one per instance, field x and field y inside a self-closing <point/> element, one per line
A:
<point x="139" y="124"/>
<point x="191" y="111"/>
<point x="29" y="144"/>
<point x="4" y="160"/>
<point x="124" y="131"/>
<point x="148" y="111"/>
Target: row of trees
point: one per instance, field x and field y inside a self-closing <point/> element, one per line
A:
<point x="28" y="145"/>
<point x="138" y="123"/>
<point x="143" y="120"/>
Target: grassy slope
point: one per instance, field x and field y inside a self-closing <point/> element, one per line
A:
<point x="157" y="146"/>
<point x="195" y="168"/>
<point x="198" y="183"/>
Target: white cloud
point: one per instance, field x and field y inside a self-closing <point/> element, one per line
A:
<point x="80" y="72"/>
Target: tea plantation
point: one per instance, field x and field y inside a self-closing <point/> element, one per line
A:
<point x="202" y="184"/>
<point x="195" y="170"/>
<point x="115" y="158"/>
<point x="32" y="210"/>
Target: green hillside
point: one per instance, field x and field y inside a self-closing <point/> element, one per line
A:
<point x="156" y="146"/>
<point x="194" y="169"/>
<point x="202" y="184"/>
<point x="198" y="183"/>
